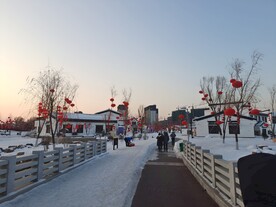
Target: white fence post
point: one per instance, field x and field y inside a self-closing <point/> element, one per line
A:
<point x="202" y="160"/>
<point x="232" y="182"/>
<point x="40" y="160"/>
<point x="60" y="157"/>
<point x="85" y="150"/>
<point x="94" y="148"/>
<point x="213" y="157"/>
<point x="74" y="153"/>
<point x="11" y="172"/>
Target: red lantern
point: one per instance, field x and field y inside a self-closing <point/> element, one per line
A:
<point x="255" y="112"/>
<point x="203" y="98"/>
<point x="112" y="99"/>
<point x="72" y="105"/>
<point x="113" y="105"/>
<point x="218" y="122"/>
<point x="220" y="92"/>
<point x="65" y="108"/>
<point x="200" y="92"/>
<point x="205" y="95"/>
<point x="265" y="124"/>
<point x="237" y="84"/>
<point x="184" y="123"/>
<point x="181" y="116"/>
<point x="52" y="90"/>
<point x="232" y="80"/>
<point x="229" y="112"/>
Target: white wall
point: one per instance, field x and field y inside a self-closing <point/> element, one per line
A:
<point x="246" y="128"/>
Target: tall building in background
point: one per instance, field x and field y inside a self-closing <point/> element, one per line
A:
<point x="151" y="114"/>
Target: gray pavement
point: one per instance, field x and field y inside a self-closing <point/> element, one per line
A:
<point x="166" y="181"/>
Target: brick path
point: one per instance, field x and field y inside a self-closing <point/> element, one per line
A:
<point x="168" y="182"/>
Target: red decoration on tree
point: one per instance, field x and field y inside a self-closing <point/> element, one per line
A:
<point x="52" y="90"/>
<point x="265" y="124"/>
<point x="232" y="80"/>
<point x="203" y="98"/>
<point x="72" y="105"/>
<point x="218" y="122"/>
<point x="210" y="99"/>
<point x="206" y="95"/>
<point x="254" y="112"/>
<point x="200" y="92"/>
<point x="237" y="84"/>
<point x="113" y="105"/>
<point x="111" y="99"/>
<point x="220" y="92"/>
<point x="184" y="123"/>
<point x="65" y="108"/>
<point x="229" y="111"/>
<point x="125" y="103"/>
<point x="181" y="116"/>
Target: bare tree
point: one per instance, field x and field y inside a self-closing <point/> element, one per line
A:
<point x="126" y="101"/>
<point x="53" y="94"/>
<point x="272" y="92"/>
<point x="219" y="94"/>
<point x="215" y="92"/>
<point x="246" y="94"/>
<point x="141" y="118"/>
<point x="112" y="99"/>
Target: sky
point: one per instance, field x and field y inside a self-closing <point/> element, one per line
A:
<point x="102" y="181"/>
<point x="159" y="49"/>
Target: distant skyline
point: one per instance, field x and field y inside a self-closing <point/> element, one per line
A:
<point x="159" y="49"/>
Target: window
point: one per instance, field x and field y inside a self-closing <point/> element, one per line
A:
<point x="99" y="129"/>
<point x="48" y="129"/>
<point x="80" y="129"/>
<point x="213" y="127"/>
<point x="234" y="128"/>
<point x="68" y="128"/>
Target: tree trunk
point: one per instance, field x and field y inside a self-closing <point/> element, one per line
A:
<point x="237" y="141"/>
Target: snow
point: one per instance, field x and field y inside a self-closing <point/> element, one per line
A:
<point x="107" y="180"/>
<point x="111" y="179"/>
<point x="228" y="150"/>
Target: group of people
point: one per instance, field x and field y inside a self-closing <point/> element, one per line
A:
<point x="115" y="138"/>
<point x="163" y="139"/>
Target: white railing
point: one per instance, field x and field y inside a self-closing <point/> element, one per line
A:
<point x="17" y="173"/>
<point x="219" y="174"/>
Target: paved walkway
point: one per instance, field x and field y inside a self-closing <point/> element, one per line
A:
<point x="168" y="182"/>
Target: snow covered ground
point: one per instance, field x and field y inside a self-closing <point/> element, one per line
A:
<point x="111" y="179"/>
<point x="108" y="180"/>
<point x="228" y="149"/>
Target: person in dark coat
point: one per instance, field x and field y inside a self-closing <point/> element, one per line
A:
<point x="173" y="135"/>
<point x="160" y="140"/>
<point x="166" y="140"/>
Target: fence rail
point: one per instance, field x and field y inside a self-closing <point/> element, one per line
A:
<point x="19" y="172"/>
<point x="219" y="174"/>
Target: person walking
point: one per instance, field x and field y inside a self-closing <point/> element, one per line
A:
<point x="114" y="137"/>
<point x="173" y="135"/>
<point x="166" y="140"/>
<point x="160" y="139"/>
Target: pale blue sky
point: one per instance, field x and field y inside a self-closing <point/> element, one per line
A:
<point x="159" y="49"/>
